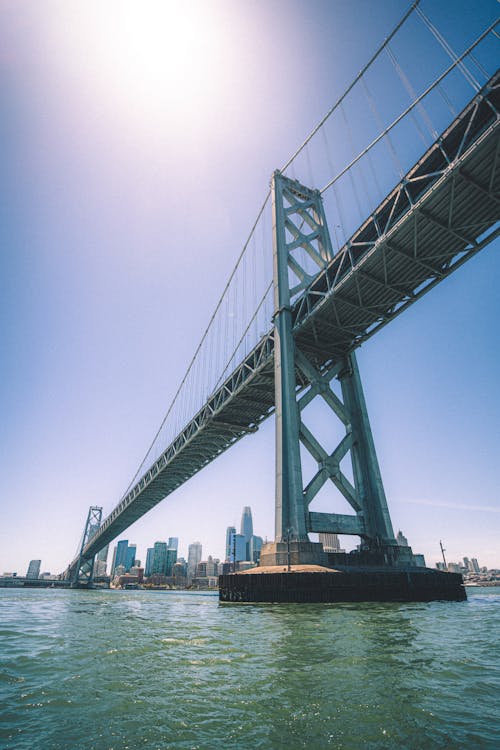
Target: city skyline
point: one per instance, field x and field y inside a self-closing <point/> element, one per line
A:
<point x="112" y="207"/>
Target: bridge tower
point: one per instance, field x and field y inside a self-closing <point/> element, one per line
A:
<point x="299" y="225"/>
<point x="82" y="574"/>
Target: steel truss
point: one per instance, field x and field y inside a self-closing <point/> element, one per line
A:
<point x="81" y="571"/>
<point x="444" y="211"/>
<point x="299" y="223"/>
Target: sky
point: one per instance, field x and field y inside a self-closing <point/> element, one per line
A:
<point x="137" y="143"/>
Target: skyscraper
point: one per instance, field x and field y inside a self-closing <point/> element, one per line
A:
<point x="240" y="548"/>
<point x="330" y="542"/>
<point x="173" y="543"/>
<point x="247" y="530"/>
<point x="102" y="555"/>
<point x="120" y="555"/>
<point x="230" y="532"/>
<point x="256" y="545"/>
<point x="194" y="557"/>
<point x="149" y="561"/>
<point x="33" y="569"/>
<point x="159" y="564"/>
<point x="170" y="560"/>
<point x="130" y="558"/>
<point x="100" y="562"/>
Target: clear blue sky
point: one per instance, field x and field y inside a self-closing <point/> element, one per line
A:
<point x="136" y="148"/>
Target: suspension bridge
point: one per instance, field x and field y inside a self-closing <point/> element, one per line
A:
<point x="412" y="194"/>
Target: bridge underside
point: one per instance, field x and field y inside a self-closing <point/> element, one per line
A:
<point x="445" y="210"/>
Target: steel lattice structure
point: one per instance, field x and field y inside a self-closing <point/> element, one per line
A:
<point x="444" y="210"/>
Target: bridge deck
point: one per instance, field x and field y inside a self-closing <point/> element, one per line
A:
<point x="444" y="211"/>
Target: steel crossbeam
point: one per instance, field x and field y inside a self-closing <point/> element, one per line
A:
<point x="395" y="257"/>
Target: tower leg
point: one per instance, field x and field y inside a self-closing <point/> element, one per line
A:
<point x="365" y="466"/>
<point x="299" y="223"/>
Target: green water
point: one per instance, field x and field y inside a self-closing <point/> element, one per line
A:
<point x="101" y="670"/>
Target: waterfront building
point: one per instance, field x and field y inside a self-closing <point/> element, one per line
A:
<point x="194" y="557"/>
<point x="103" y="553"/>
<point x="255" y="547"/>
<point x="170" y="560"/>
<point x="179" y="569"/>
<point x="246" y="530"/>
<point x="401" y="539"/>
<point x="149" y="561"/>
<point x="173" y="542"/>
<point x="230" y="532"/>
<point x="419" y="561"/>
<point x="120" y="556"/>
<point x="239" y="548"/>
<point x="99" y="568"/>
<point x="130" y="560"/>
<point x="330" y="542"/>
<point x="475" y="566"/>
<point x="33" y="569"/>
<point x="159" y="563"/>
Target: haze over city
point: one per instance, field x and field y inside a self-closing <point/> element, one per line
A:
<point x="133" y="170"/>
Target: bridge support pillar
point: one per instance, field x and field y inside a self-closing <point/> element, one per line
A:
<point x="300" y="241"/>
<point x="81" y="574"/>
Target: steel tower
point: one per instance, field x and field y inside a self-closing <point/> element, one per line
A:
<point x="299" y="226"/>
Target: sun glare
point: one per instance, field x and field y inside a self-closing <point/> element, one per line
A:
<point x="161" y="56"/>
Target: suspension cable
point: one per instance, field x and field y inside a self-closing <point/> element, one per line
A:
<point x="411" y="106"/>
<point x="205" y="334"/>
<point x="354" y="82"/>
<point x="449" y="50"/>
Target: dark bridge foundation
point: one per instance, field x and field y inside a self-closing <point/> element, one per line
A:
<point x="313" y="583"/>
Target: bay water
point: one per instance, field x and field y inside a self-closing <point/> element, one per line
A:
<point x="111" y="670"/>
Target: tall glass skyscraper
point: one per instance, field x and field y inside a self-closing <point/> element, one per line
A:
<point x="194" y="557"/>
<point x="120" y="555"/>
<point x="230" y="532"/>
<point x="34" y="569"/>
<point x="247" y="530"/>
<point x="149" y="561"/>
<point x="130" y="559"/>
<point x="159" y="563"/>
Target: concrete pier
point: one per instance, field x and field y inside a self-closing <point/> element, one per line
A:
<point x="314" y="583"/>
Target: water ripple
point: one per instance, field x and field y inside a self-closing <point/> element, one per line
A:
<point x="117" y="670"/>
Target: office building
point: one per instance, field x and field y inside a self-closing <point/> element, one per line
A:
<point x="120" y="556"/>
<point x="255" y="547"/>
<point x="194" y="557"/>
<point x="230" y="531"/>
<point x="130" y="560"/>
<point x="475" y="566"/>
<point x="246" y="530"/>
<point x="173" y="543"/>
<point x="330" y="542"/>
<point x="34" y="569"/>
<point x="159" y="563"/>
<point x="149" y="561"/>
<point x="240" y="547"/>
<point x="170" y="560"/>
<point x="101" y="562"/>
